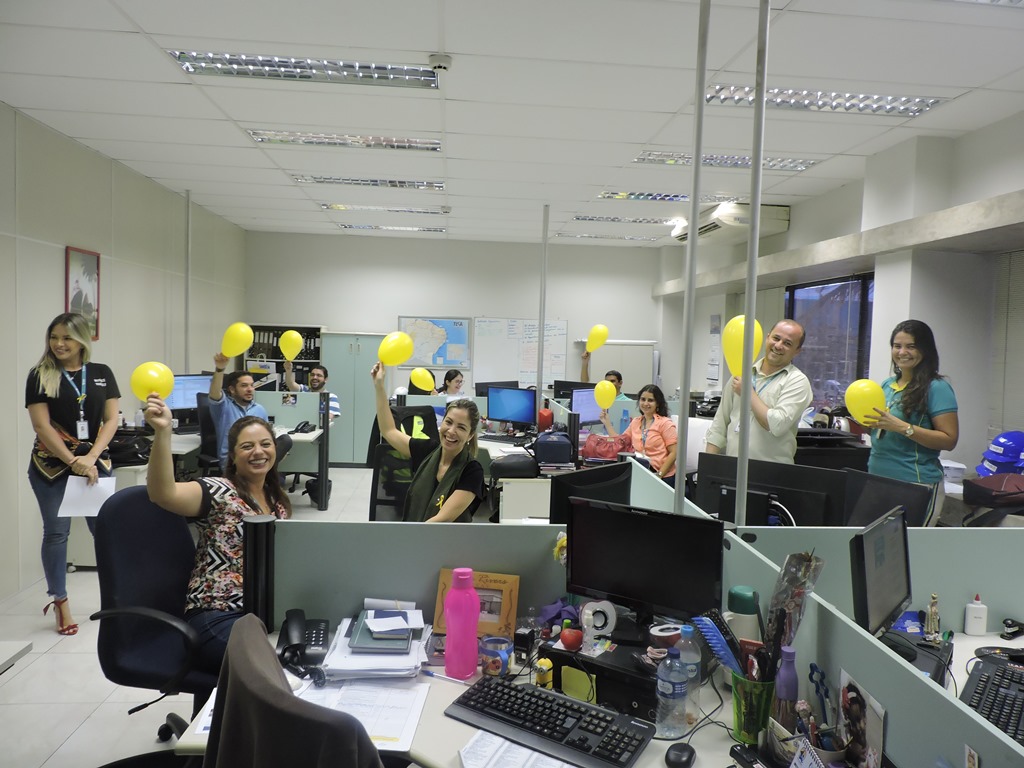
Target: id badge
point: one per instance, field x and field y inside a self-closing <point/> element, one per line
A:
<point x="83" y="429"/>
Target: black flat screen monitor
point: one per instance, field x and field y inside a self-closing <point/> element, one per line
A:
<point x="880" y="572"/>
<point x="610" y="482"/>
<point x="480" y="388"/>
<point x="562" y="390"/>
<point x="868" y="497"/>
<point x="583" y="403"/>
<point x="650" y="562"/>
<point x="813" y="496"/>
<point x="517" y="406"/>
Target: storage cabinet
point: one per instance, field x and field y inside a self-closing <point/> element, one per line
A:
<point x="348" y="358"/>
<point x="265" y="349"/>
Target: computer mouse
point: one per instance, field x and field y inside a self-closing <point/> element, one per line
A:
<point x="680" y="756"/>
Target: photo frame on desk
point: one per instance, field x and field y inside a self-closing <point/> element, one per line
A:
<point x="82" y="286"/>
<point x="499" y="598"/>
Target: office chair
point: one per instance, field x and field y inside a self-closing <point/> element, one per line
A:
<point x="391" y="471"/>
<point x="144" y="556"/>
<point x="259" y="723"/>
<point x="209" y="461"/>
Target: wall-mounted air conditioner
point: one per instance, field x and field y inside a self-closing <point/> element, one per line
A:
<point x="729" y="223"/>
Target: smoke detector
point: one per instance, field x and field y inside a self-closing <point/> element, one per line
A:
<point x="439" y="62"/>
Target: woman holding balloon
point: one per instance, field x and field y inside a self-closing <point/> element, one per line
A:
<point x="919" y="419"/>
<point x="653" y="433"/>
<point x="73" y="404"/>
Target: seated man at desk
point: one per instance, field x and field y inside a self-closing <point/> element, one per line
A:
<point x="232" y="397"/>
<point x="317" y="384"/>
<point x="613" y="376"/>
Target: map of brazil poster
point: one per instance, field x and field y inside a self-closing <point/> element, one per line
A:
<point x="441" y="342"/>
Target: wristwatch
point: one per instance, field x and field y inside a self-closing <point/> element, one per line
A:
<point x="909" y="431"/>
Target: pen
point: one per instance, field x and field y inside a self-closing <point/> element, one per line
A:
<point x="439" y="676"/>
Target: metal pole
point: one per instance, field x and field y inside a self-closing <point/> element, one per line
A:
<point x="756" y="159"/>
<point x="188" y="275"/>
<point x="690" y="265"/>
<point x="538" y="399"/>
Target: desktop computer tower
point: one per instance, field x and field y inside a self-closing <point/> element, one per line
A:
<point x="619" y="681"/>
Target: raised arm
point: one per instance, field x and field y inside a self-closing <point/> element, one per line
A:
<point x="220" y="364"/>
<point x="395" y="437"/>
<point x="289" y="377"/>
<point x="183" y="499"/>
<point x="585" y="366"/>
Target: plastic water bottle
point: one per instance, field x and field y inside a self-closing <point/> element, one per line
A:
<point x="461" y="616"/>
<point x="689" y="655"/>
<point x="140" y="419"/>
<point x="784" y="705"/>
<point x="624" y="421"/>
<point x="672" y="679"/>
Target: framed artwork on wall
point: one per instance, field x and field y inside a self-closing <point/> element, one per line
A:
<point x="82" y="286"/>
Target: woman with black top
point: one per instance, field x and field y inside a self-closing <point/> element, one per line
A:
<point x="73" y="404"/>
<point x="447" y="481"/>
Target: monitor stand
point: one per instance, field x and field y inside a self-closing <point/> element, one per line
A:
<point x="632" y="632"/>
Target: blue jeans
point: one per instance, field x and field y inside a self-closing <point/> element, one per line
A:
<point x="213" y="627"/>
<point x="55" y="531"/>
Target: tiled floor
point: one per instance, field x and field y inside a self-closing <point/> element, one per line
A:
<point x="56" y="708"/>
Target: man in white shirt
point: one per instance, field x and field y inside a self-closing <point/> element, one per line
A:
<point x="781" y="393"/>
<point x="317" y="384"/>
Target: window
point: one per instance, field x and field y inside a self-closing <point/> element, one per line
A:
<point x="837" y="317"/>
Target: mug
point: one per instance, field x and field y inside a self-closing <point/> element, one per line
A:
<point x="495" y="653"/>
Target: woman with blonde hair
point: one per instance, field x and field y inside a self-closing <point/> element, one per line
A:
<point x="73" y="404"/>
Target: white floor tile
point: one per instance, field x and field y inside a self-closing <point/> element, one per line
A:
<point x="58" y="678"/>
<point x="31" y="733"/>
<point x="110" y="734"/>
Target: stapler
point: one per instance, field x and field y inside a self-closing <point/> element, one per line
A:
<point x="1011" y="628"/>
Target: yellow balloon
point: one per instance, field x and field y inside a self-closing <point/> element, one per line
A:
<point x="862" y="397"/>
<point x="290" y="344"/>
<point x="152" y="377"/>
<point x="597" y="337"/>
<point x="395" y="349"/>
<point x="605" y="394"/>
<point x="732" y="344"/>
<point x="421" y="378"/>
<point x="237" y="339"/>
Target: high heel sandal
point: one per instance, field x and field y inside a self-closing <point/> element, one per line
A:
<point x="62" y="628"/>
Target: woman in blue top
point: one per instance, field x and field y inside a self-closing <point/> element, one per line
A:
<point x="920" y="417"/>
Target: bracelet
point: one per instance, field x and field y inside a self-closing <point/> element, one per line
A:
<point x="220" y="370"/>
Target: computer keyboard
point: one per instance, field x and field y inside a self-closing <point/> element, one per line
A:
<point x="995" y="690"/>
<point x="569" y="730"/>
<point x="519" y="440"/>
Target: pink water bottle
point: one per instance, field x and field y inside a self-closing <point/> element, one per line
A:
<point x="461" y="616"/>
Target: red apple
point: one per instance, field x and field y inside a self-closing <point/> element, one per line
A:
<point x="572" y="639"/>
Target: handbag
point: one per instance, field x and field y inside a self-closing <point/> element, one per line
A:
<point x="1001" y="490"/>
<point x="606" y="447"/>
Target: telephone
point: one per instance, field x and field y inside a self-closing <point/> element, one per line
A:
<point x="303" y="643"/>
<point x="303" y="426"/>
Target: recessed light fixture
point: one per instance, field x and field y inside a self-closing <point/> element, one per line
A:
<point x="443" y="210"/>
<point x="663" y="197"/>
<point x="434" y="186"/>
<point x="288" y="68"/>
<point x="621" y="220"/>
<point x="608" y="237"/>
<point x="822" y="101"/>
<point x="381" y="228"/>
<point x="723" y="161"/>
<point x="343" y="140"/>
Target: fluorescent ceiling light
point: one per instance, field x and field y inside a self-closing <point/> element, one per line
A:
<point x="822" y="101"/>
<point x="1004" y="3"/>
<point x="443" y="210"/>
<point x="392" y="229"/>
<point x="724" y="161"/>
<point x="436" y="186"/>
<point x="664" y="197"/>
<point x="608" y="237"/>
<point x="622" y="220"/>
<point x="342" y="140"/>
<point x="304" y="70"/>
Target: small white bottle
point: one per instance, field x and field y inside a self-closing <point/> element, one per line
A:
<point x="976" y="617"/>
<point x="140" y="418"/>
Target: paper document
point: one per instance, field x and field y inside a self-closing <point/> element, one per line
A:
<point x="487" y="750"/>
<point x="413" y="615"/>
<point x="84" y="500"/>
<point x="205" y="720"/>
<point x="341" y="663"/>
<point x="388" y="709"/>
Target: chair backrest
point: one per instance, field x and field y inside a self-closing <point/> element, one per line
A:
<point x="392" y="474"/>
<point x="207" y="430"/>
<point x="415" y="420"/>
<point x="258" y="722"/>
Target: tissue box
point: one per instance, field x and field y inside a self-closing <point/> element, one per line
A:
<point x="953" y="470"/>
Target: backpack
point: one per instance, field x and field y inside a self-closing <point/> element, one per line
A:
<point x="1002" y="490"/>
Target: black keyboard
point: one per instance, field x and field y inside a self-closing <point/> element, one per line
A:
<point x="569" y="730"/>
<point x="995" y="690"/>
<point x="519" y="440"/>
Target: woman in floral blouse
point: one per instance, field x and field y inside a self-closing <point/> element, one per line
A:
<point x="250" y="486"/>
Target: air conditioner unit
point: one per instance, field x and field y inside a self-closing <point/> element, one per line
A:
<point x="729" y="223"/>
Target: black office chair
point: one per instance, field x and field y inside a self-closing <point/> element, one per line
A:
<point x="259" y="723"/>
<point x="392" y="472"/>
<point x="209" y="461"/>
<point x="144" y="556"/>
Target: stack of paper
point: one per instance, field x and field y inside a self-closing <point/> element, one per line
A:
<point x="342" y="664"/>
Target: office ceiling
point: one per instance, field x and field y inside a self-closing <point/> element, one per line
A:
<point x="546" y="102"/>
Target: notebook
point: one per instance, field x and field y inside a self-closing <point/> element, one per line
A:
<point x="362" y="640"/>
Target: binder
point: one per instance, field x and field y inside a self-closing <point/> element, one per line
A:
<point x="363" y="641"/>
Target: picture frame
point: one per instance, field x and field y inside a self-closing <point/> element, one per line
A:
<point x="82" y="286"/>
<point x="499" y="598"/>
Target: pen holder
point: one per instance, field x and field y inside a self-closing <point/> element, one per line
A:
<point x="751" y="703"/>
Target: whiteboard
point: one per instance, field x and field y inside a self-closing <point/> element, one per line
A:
<point x="634" y="360"/>
<point x="506" y="348"/>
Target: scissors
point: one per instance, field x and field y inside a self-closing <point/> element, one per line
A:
<point x="817" y="676"/>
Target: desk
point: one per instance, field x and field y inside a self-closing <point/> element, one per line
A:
<point x="309" y="455"/>
<point x="11" y="651"/>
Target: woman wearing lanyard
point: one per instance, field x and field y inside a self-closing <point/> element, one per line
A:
<point x="73" y="405"/>
<point x="653" y="433"/>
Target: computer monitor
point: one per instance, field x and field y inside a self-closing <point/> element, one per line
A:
<point x="182" y="400"/>
<point x="868" y="497"/>
<point x="650" y="562"/>
<point x="562" y="390"/>
<point x="517" y="406"/>
<point x="880" y="576"/>
<point x="480" y="388"/>
<point x="810" y="495"/>
<point x="582" y="402"/>
<point x="609" y="482"/>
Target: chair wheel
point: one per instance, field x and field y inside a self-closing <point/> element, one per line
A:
<point x="164" y="732"/>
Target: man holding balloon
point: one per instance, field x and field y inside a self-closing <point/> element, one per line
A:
<point x="780" y="394"/>
<point x="317" y="384"/>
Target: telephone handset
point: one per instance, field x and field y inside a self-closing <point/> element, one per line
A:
<point x="303" y="427"/>
<point x="303" y="643"/>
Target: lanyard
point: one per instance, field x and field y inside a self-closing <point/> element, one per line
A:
<point x="79" y="392"/>
<point x="643" y="433"/>
<point x="766" y="382"/>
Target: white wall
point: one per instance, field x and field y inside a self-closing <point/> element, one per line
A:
<point x="55" y="192"/>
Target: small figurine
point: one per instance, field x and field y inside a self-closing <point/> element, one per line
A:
<point x="931" y="619"/>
